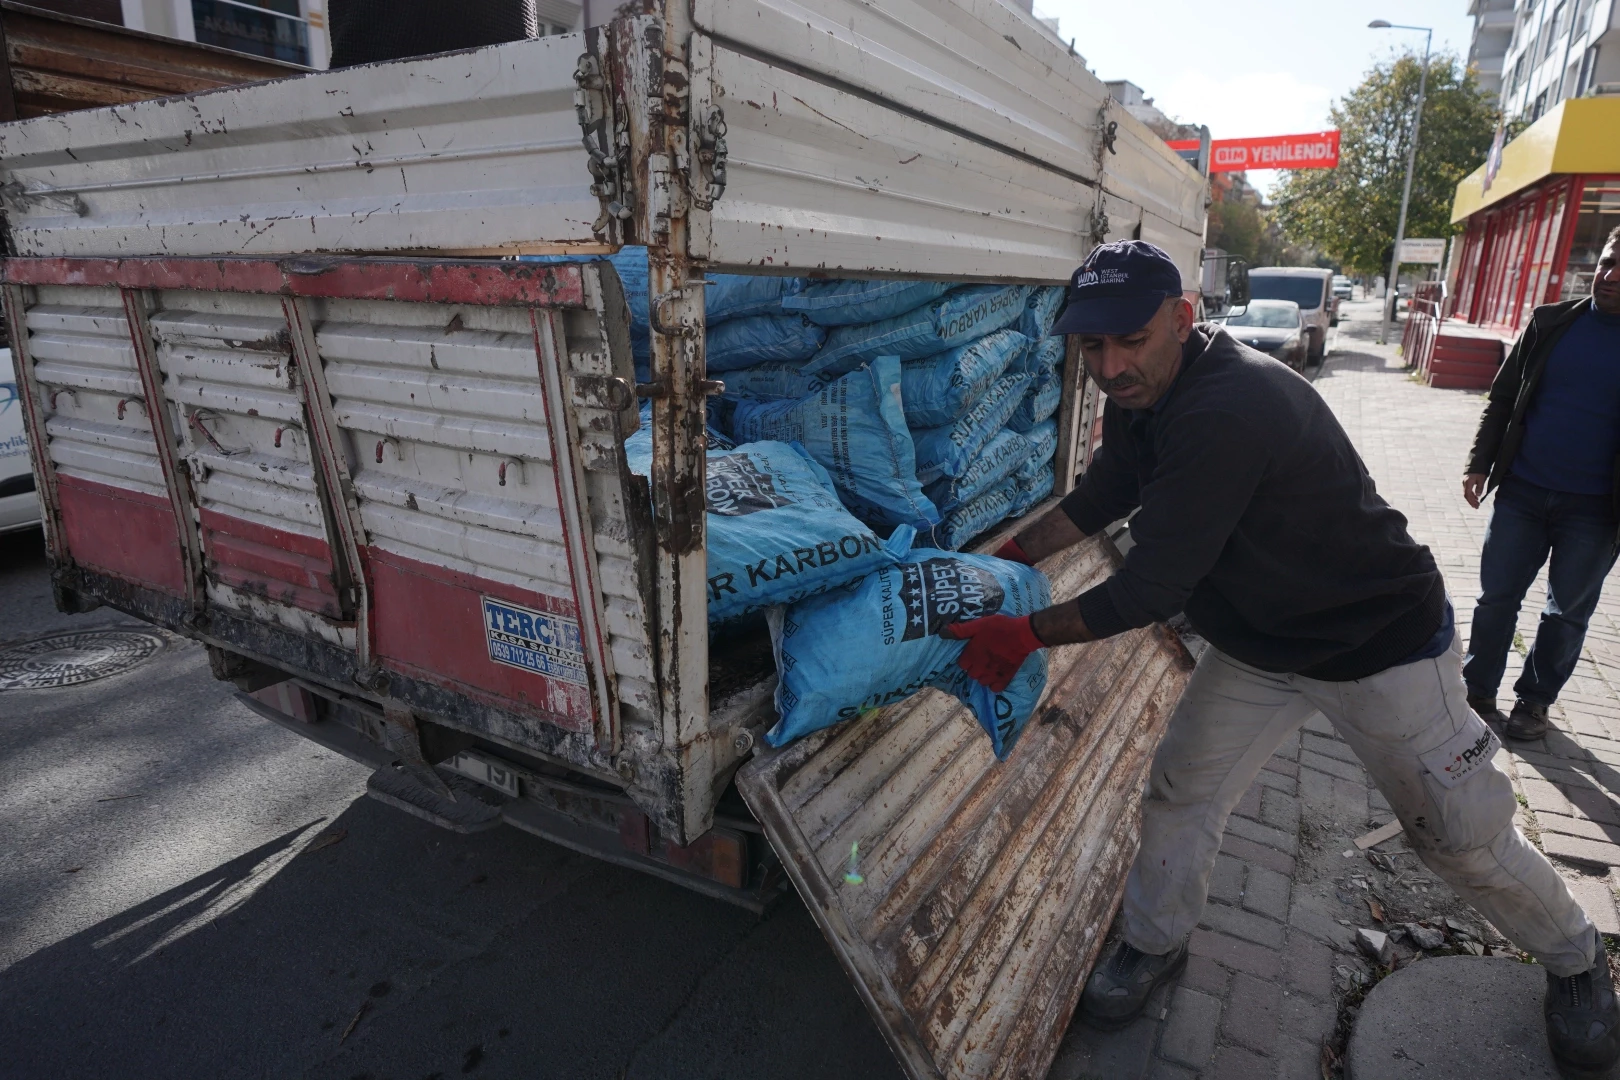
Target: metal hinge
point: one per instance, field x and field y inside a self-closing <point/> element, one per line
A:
<point x="607" y="144"/>
<point x="707" y="176"/>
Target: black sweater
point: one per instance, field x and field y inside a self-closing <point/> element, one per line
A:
<point x="1258" y="520"/>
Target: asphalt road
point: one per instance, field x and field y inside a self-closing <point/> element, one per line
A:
<point x="187" y="890"/>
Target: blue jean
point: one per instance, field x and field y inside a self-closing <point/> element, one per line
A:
<point x="1528" y="522"/>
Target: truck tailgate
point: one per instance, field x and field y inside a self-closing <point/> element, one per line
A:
<point x="967" y="899"/>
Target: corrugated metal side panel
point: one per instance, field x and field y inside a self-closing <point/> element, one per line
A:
<point x="462" y="151"/>
<point x="442" y="410"/>
<point x="96" y="416"/>
<point x="115" y="509"/>
<point x="948" y="59"/>
<point x="820" y="178"/>
<point x="228" y="378"/>
<point x="984" y="889"/>
<point x="976" y="65"/>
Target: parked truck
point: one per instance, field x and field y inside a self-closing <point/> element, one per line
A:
<point x="294" y="398"/>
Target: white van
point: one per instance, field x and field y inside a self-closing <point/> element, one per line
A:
<point x="1311" y="287"/>
<point x="19" y="503"/>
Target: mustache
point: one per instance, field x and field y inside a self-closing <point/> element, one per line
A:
<point x="1124" y="380"/>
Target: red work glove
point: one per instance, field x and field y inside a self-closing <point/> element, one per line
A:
<point x="997" y="647"/>
<point x="1013" y="553"/>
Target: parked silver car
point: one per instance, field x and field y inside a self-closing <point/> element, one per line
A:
<point x="1307" y="286"/>
<point x="1274" y="327"/>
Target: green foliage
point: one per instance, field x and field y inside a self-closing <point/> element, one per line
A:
<point x="1349" y="213"/>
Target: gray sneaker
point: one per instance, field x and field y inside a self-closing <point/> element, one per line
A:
<point x="1527" y="721"/>
<point x="1487" y="710"/>
<point x="1123" y="980"/>
<point x="1583" y="1022"/>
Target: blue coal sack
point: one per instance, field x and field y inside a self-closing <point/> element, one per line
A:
<point x="960" y="316"/>
<point x="770" y="381"/>
<point x="998" y="459"/>
<point x="937" y="389"/>
<point x="877" y="641"/>
<point x="856" y="428"/>
<point x="982" y="512"/>
<point x="736" y="296"/>
<point x="949" y="449"/>
<point x="1041" y="400"/>
<point x="776" y="530"/>
<point x="758" y="339"/>
<point x="850" y="302"/>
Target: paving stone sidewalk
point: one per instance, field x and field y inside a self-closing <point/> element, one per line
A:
<point x="1273" y="957"/>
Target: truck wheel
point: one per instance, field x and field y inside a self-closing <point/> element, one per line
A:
<point x="1317" y="349"/>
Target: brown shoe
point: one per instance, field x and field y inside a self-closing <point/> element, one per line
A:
<point x="1487" y="710"/>
<point x="1527" y="721"/>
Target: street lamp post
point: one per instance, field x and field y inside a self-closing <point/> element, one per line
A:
<point x="1392" y="292"/>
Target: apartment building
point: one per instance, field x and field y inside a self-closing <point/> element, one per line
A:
<point x="1558" y="49"/>
<point x="1493" y="33"/>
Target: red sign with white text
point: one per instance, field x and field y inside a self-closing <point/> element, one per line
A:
<point x="1318" y="150"/>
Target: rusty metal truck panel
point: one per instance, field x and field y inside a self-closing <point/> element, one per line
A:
<point x="270" y="446"/>
<point x="967" y="898"/>
<point x="469" y="150"/>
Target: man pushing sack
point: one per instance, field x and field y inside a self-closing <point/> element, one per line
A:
<point x="1256" y="518"/>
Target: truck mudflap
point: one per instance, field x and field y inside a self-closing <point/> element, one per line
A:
<point x="967" y="899"/>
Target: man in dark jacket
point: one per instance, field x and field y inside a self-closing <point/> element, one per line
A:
<point x="1257" y="519"/>
<point x="1549" y="443"/>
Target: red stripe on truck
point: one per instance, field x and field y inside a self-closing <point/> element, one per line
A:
<point x="274" y="563"/>
<point x="429" y="624"/>
<point x="128" y="534"/>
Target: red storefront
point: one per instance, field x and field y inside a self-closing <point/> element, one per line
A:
<point x="1533" y="236"/>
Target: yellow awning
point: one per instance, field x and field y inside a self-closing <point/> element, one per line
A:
<point x="1578" y="135"/>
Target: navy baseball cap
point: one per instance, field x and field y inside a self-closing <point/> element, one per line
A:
<point x="1118" y="289"/>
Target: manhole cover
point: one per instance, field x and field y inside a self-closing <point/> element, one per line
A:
<point x="73" y="658"/>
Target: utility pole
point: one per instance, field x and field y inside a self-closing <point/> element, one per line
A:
<point x="1392" y="294"/>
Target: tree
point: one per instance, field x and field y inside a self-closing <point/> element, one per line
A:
<point x="1349" y="213"/>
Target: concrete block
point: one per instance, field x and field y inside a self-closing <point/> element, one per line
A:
<point x="1251" y="1013"/>
<point x="1257" y="854"/>
<point x="1580" y="850"/>
<point x="1308" y="967"/>
<point x="1597" y="898"/>
<point x="1226" y="881"/>
<point x="1189" y="1031"/>
<point x="1236" y="954"/>
<point x="1576" y="826"/>
<point x="1453" y="1018"/>
<point x="1249" y="805"/>
<point x="1321" y="762"/>
<point x="1245" y="925"/>
<point x="1330" y="747"/>
<point x="1202" y="973"/>
<point x="1277" y="781"/>
<point x="1287" y="842"/>
<point x="1236" y="1063"/>
<point x="1278" y="810"/>
<point x="1298" y="1060"/>
<point x="1266" y="893"/>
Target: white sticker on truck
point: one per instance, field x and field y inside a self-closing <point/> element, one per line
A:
<point x="535" y="641"/>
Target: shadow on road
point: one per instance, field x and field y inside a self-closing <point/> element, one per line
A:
<point x="495" y="955"/>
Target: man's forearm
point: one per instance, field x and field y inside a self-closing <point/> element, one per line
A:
<point x="1061" y="624"/>
<point x="1051" y="533"/>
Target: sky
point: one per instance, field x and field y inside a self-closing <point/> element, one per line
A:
<point x="1250" y="67"/>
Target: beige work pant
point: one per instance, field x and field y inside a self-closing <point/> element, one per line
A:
<point x="1426" y="750"/>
